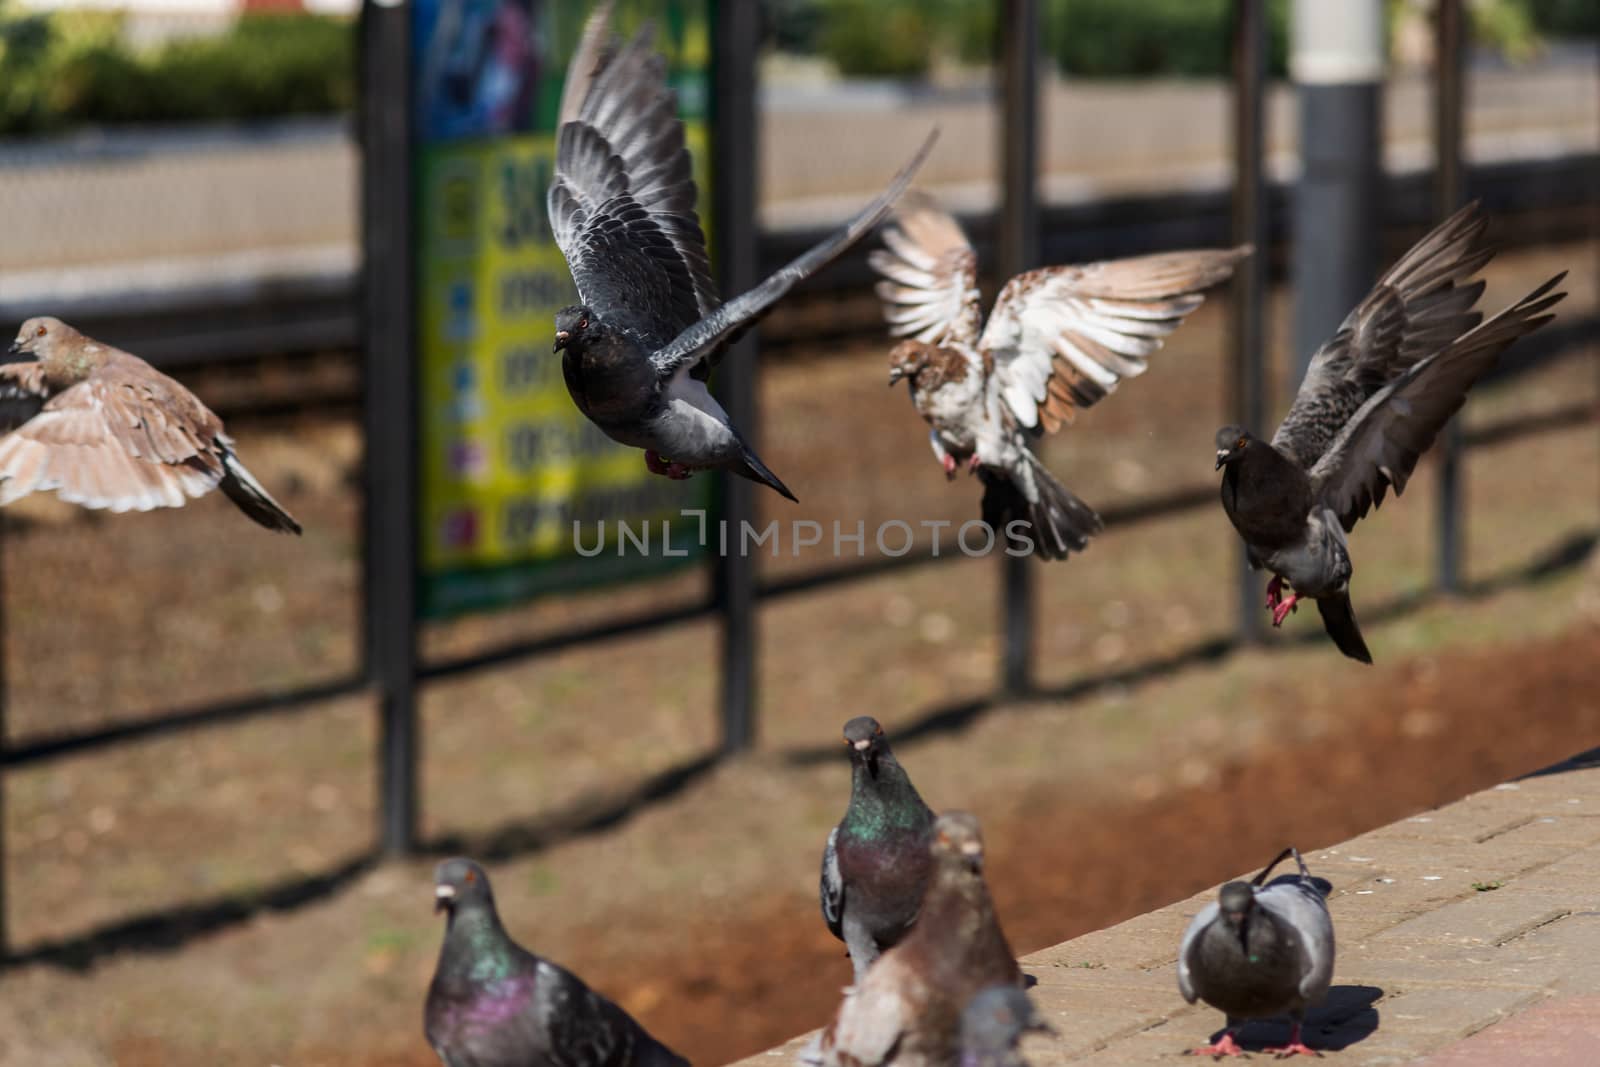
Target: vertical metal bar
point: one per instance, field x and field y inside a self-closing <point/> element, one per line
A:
<point x="1448" y="192"/>
<point x="1247" y="381"/>
<point x="734" y="147"/>
<point x="5" y="933"/>
<point x="1018" y="250"/>
<point x="390" y="408"/>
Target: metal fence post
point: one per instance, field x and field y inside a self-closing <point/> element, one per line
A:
<point x="5" y="932"/>
<point x="1018" y="250"/>
<point x="734" y="148"/>
<point x="1448" y="191"/>
<point x="390" y="408"/>
<point x="1246" y="387"/>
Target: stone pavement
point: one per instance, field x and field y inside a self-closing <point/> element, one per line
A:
<point x="1467" y="936"/>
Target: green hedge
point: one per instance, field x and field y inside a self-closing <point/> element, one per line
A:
<point x="71" y="68"/>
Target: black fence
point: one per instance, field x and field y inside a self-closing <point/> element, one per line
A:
<point x="391" y="668"/>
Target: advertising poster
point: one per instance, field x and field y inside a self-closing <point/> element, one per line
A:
<point x="507" y="463"/>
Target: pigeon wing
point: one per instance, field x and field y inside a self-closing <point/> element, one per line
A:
<point x="1191" y="937"/>
<point x="1062" y="338"/>
<point x="832" y="888"/>
<point x="873" y="1018"/>
<point x="930" y="275"/>
<point x="1295" y="902"/>
<point x="622" y="201"/>
<point x="729" y="321"/>
<point x="1380" y="444"/>
<point x="1419" y="306"/>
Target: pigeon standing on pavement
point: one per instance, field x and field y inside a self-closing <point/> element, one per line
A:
<point x="104" y="429"/>
<point x="993" y="1025"/>
<point x="1058" y="340"/>
<point x="495" y="1004"/>
<point x="1374" y="398"/>
<point x="906" y="1010"/>
<point x="876" y="864"/>
<point x="637" y="351"/>
<point x="1260" y="951"/>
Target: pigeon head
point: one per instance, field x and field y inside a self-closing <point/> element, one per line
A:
<point x="460" y="883"/>
<point x="957" y="842"/>
<point x="867" y="742"/>
<point x="908" y="359"/>
<point x="42" y="340"/>
<point x="1236" y="901"/>
<point x="995" y="1020"/>
<point x="1231" y="445"/>
<point x="572" y="323"/>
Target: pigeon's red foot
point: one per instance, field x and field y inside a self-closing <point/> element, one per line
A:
<point x="1285" y="606"/>
<point x="972" y="464"/>
<point x="949" y="464"/>
<point x="1224" y="1046"/>
<point x="678" y="472"/>
<point x="1295" y="1047"/>
<point x="664" y="467"/>
<point x="1274" y="592"/>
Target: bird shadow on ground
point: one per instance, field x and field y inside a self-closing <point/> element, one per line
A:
<point x="1348" y="1015"/>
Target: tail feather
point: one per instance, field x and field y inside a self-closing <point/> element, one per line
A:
<point x="751" y="467"/>
<point x="247" y="494"/>
<point x="1339" y="618"/>
<point x="1060" y="523"/>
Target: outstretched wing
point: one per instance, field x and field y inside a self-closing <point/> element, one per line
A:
<point x="1421" y="304"/>
<point x="742" y="312"/>
<point x="1380" y="445"/>
<point x="622" y="202"/>
<point x="930" y="286"/>
<point x="1062" y="338"/>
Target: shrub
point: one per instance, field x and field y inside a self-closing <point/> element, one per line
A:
<point x="877" y="38"/>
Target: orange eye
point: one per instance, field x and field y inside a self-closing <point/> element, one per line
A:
<point x="1241" y="442"/>
<point x="40" y="332"/>
<point x="472" y="876"/>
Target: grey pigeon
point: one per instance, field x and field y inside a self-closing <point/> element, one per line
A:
<point x="1258" y="952"/>
<point x="104" y="429"/>
<point x="637" y="351"/>
<point x="993" y="1025"/>
<point x="906" y="1010"/>
<point x="1058" y="340"/>
<point x="1374" y="398"/>
<point x="495" y="1004"/>
<point x="876" y="863"/>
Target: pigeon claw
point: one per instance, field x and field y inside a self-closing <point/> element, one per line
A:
<point x="1284" y="608"/>
<point x="665" y="467"/>
<point x="1274" y="592"/>
<point x="1223" y="1046"/>
<point x="972" y="464"/>
<point x="949" y="464"/>
<point x="1293" y="1048"/>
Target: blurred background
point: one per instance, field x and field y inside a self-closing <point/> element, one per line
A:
<point x="201" y="856"/>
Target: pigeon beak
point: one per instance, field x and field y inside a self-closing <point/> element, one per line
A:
<point x="895" y="374"/>
<point x="1222" y="458"/>
<point x="443" y="897"/>
<point x="972" y="852"/>
<point x="863" y="744"/>
<point x="561" y="340"/>
<point x="15" y="354"/>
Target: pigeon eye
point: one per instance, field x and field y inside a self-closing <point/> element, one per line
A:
<point x="40" y="332"/>
<point x="583" y="324"/>
<point x="472" y="876"/>
<point x="1241" y="442"/>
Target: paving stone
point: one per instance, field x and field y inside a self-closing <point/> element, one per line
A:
<point x="1487" y="918"/>
<point x="1457" y="1011"/>
<point x="1561" y="1032"/>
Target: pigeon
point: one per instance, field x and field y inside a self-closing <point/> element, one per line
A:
<point x="1374" y="398"/>
<point x="637" y="350"/>
<point x="495" y="1004"/>
<point x="906" y="1010"/>
<point x="876" y="863"/>
<point x="1260" y="951"/>
<point x="993" y="1024"/>
<point x="1057" y="340"/>
<point x="104" y="429"/>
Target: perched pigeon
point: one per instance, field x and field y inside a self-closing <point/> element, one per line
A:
<point x="906" y="1010"/>
<point x="104" y="429"/>
<point x="1374" y="398"/>
<point x="1059" y="339"/>
<point x="993" y="1025"/>
<point x="637" y="352"/>
<point x="1259" y="952"/>
<point x="495" y="1004"/>
<point x="876" y="864"/>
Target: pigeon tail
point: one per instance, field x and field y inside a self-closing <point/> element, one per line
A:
<point x="1060" y="522"/>
<point x="749" y="466"/>
<point x="1339" y="617"/>
<point x="242" y="488"/>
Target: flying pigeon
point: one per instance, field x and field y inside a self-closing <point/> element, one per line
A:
<point x="1260" y="951"/>
<point x="906" y="1010"/>
<point x="1058" y="340"/>
<point x="495" y="1004"/>
<point x="638" y="349"/>
<point x="104" y="429"/>
<point x="993" y="1025"/>
<point x="876" y="864"/>
<point x="1373" y="399"/>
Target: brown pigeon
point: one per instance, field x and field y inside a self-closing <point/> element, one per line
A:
<point x="1374" y="398"/>
<point x="1058" y="340"/>
<point x="907" y="1009"/>
<point x="104" y="429"/>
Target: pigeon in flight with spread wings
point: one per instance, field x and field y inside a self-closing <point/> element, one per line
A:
<point x="637" y="351"/>
<point x="1058" y="339"/>
<point x="1374" y="398"/>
